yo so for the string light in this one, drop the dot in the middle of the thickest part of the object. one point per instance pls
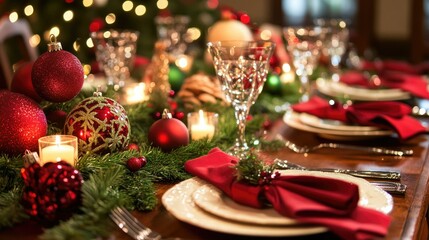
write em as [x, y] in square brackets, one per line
[89, 43]
[54, 31]
[13, 16]
[162, 4]
[194, 33]
[110, 18]
[140, 10]
[266, 34]
[87, 3]
[28, 10]
[34, 40]
[76, 46]
[68, 15]
[127, 6]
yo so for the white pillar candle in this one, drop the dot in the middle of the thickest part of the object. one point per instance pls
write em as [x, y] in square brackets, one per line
[58, 147]
[202, 125]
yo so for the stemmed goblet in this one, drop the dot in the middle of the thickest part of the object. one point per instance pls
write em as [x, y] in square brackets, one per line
[242, 68]
[336, 41]
[115, 51]
[304, 45]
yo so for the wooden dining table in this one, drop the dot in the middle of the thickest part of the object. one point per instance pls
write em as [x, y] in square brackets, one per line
[409, 214]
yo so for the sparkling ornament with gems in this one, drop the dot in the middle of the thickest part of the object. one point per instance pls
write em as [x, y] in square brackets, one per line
[52, 192]
[100, 124]
[22, 123]
[168, 133]
[57, 75]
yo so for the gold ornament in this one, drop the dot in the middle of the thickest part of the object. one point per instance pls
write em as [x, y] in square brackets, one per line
[199, 89]
[156, 75]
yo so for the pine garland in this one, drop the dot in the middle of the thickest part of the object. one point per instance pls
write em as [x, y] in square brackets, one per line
[109, 183]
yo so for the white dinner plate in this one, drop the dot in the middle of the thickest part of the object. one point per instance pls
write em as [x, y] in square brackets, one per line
[178, 201]
[315, 121]
[292, 119]
[214, 201]
[338, 89]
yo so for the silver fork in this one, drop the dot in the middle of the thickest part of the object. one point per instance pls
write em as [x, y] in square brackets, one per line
[132, 226]
[305, 149]
[391, 187]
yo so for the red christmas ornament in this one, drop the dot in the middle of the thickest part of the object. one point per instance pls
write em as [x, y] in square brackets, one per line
[56, 117]
[133, 146]
[57, 75]
[136, 163]
[22, 123]
[168, 133]
[101, 125]
[22, 83]
[52, 192]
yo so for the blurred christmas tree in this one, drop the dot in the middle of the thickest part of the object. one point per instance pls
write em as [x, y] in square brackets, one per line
[73, 20]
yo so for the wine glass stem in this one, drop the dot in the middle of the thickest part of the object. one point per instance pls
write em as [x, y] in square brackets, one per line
[305, 87]
[241, 113]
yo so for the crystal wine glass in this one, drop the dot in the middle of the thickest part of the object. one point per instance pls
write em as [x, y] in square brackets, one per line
[304, 45]
[115, 51]
[336, 41]
[242, 68]
[173, 29]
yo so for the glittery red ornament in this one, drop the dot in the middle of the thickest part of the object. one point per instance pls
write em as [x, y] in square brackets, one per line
[52, 192]
[22, 123]
[100, 124]
[57, 75]
[22, 83]
[168, 133]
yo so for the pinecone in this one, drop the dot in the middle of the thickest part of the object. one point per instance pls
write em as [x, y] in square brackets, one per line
[199, 89]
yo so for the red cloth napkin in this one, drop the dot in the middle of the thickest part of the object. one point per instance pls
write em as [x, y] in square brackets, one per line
[308, 199]
[383, 114]
[413, 84]
[395, 65]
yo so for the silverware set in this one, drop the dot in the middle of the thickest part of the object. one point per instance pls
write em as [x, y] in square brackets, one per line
[388, 186]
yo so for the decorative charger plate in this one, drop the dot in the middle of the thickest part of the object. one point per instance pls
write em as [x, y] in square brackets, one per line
[292, 119]
[338, 89]
[179, 202]
[214, 201]
[317, 122]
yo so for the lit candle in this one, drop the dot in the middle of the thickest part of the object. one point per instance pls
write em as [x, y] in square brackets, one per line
[58, 147]
[202, 125]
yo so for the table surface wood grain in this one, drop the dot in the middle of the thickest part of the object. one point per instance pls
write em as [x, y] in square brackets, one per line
[408, 214]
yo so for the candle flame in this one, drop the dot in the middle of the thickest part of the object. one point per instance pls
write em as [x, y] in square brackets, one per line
[57, 140]
[202, 120]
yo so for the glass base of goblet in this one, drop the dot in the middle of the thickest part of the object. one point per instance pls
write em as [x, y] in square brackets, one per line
[239, 150]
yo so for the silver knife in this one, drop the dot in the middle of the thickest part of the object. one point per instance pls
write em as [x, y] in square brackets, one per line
[362, 173]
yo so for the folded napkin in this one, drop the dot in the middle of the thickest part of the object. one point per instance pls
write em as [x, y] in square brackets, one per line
[308, 199]
[414, 84]
[395, 65]
[383, 114]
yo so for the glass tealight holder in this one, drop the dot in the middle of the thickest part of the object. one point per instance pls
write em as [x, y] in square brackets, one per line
[202, 124]
[54, 148]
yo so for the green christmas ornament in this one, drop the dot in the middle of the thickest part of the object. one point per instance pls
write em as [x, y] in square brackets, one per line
[176, 77]
[273, 84]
